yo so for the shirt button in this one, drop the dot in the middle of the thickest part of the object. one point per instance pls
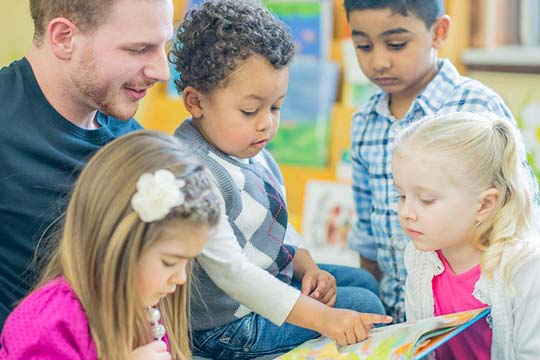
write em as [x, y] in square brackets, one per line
[246, 349]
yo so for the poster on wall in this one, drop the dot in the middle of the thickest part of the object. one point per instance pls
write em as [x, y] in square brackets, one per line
[310, 23]
[304, 132]
[328, 216]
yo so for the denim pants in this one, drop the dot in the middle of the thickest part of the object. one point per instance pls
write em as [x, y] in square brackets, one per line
[253, 336]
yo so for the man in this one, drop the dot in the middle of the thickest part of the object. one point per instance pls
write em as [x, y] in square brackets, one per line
[77, 89]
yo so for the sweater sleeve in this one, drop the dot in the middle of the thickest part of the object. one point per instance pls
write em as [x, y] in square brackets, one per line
[410, 291]
[49, 324]
[235, 274]
[526, 337]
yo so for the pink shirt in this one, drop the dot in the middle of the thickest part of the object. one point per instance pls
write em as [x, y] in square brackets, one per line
[49, 324]
[453, 293]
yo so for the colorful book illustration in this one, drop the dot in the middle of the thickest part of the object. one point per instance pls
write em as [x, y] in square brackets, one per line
[410, 340]
[303, 135]
[310, 23]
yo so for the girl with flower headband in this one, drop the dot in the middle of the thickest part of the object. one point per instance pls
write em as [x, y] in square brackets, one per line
[117, 284]
[468, 202]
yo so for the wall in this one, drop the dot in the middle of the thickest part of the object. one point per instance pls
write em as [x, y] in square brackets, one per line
[16, 29]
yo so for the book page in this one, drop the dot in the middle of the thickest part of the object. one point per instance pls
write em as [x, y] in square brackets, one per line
[399, 341]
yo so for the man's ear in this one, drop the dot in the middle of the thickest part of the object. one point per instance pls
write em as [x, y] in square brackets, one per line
[61, 34]
[192, 101]
[441, 28]
[488, 203]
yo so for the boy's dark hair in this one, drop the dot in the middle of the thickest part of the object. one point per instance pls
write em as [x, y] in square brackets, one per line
[426, 10]
[214, 38]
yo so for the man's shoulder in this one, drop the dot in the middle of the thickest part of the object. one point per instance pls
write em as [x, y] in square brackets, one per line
[11, 77]
[11, 69]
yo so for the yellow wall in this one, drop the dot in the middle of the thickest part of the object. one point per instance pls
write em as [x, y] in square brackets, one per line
[517, 90]
[16, 29]
[158, 111]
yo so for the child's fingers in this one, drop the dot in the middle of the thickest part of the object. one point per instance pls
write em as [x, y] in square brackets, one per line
[307, 285]
[319, 290]
[342, 340]
[329, 298]
[360, 332]
[375, 318]
[162, 356]
[351, 337]
[158, 346]
[332, 301]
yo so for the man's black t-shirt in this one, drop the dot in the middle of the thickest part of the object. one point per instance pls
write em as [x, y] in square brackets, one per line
[41, 154]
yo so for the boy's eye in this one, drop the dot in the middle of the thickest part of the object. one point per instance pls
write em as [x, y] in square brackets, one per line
[397, 45]
[427, 201]
[362, 47]
[275, 108]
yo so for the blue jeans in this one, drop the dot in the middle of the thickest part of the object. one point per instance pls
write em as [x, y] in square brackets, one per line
[253, 336]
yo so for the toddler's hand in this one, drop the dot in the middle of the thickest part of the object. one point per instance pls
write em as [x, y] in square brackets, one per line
[156, 350]
[320, 285]
[349, 327]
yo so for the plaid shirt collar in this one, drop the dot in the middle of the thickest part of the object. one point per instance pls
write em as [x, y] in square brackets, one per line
[430, 100]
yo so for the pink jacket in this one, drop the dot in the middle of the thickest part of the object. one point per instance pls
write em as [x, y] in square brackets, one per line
[48, 324]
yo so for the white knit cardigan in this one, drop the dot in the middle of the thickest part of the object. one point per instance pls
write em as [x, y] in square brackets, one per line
[515, 313]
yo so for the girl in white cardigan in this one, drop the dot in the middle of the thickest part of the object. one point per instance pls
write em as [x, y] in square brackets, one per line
[468, 201]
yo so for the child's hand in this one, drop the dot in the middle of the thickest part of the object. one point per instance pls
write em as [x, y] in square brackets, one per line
[349, 327]
[156, 350]
[320, 285]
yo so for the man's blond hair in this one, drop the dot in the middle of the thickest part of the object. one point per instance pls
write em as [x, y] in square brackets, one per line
[84, 13]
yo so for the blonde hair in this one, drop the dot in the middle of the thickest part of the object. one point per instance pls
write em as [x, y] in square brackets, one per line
[483, 152]
[86, 14]
[83, 13]
[103, 238]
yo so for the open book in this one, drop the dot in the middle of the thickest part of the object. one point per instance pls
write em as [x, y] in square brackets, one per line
[409, 340]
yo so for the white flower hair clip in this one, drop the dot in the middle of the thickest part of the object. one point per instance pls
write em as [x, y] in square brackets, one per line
[157, 194]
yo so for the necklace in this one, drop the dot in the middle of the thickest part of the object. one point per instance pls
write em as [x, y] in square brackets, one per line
[158, 330]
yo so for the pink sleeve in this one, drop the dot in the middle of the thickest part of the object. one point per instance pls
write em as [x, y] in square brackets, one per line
[49, 324]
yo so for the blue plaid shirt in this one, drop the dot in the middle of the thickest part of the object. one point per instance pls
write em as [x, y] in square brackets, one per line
[377, 234]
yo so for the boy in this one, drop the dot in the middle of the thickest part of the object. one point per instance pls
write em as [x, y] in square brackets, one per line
[252, 277]
[396, 45]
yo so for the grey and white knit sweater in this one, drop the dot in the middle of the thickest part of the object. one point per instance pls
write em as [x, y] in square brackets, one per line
[256, 212]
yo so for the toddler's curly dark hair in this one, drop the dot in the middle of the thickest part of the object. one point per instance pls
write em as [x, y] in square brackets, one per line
[215, 38]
